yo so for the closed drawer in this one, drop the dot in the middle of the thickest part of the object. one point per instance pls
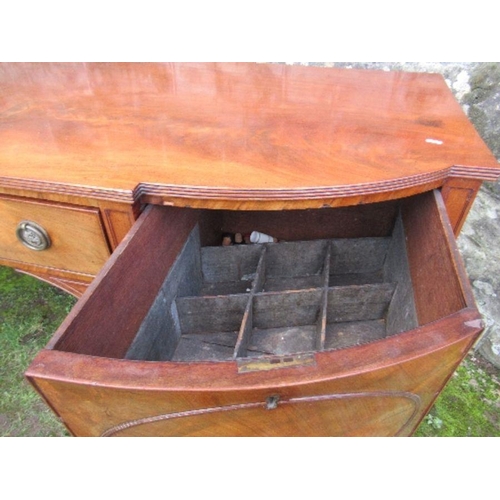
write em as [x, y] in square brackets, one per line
[75, 237]
[350, 326]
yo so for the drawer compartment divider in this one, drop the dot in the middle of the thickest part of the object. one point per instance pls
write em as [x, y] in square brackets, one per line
[322, 317]
[245, 332]
[209, 326]
[222, 303]
[285, 322]
[356, 314]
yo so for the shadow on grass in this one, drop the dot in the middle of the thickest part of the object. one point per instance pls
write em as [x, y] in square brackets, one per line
[30, 312]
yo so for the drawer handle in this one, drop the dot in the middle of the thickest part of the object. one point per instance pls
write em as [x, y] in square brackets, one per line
[32, 235]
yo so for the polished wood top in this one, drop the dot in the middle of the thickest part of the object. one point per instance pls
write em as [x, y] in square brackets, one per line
[232, 135]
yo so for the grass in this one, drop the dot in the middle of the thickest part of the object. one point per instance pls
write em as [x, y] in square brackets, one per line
[469, 405]
[30, 312]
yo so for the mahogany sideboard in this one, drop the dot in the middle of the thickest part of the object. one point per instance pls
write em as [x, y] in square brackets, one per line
[118, 182]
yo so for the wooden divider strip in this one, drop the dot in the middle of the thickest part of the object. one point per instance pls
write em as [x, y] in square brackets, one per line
[245, 332]
[321, 324]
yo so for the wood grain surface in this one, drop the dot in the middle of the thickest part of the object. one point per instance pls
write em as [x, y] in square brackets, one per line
[254, 138]
[78, 239]
[97, 395]
[118, 306]
[383, 387]
[440, 283]
[239, 136]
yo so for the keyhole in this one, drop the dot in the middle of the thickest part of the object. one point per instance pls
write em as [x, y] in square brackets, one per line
[272, 402]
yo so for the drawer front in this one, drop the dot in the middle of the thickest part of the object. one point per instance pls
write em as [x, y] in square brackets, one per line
[371, 325]
[369, 390]
[73, 237]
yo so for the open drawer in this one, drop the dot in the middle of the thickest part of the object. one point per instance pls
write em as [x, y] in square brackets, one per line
[350, 325]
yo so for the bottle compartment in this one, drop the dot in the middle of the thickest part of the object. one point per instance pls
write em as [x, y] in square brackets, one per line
[221, 303]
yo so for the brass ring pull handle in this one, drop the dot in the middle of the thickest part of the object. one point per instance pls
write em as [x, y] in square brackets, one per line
[32, 235]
